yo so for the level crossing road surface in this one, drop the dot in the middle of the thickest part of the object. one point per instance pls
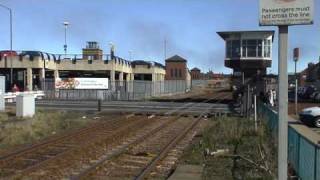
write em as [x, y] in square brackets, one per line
[136, 107]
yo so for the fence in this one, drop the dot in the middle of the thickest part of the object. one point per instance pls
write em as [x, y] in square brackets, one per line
[303, 152]
[119, 90]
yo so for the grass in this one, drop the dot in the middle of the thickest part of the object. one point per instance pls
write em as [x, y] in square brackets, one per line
[248, 150]
[17, 131]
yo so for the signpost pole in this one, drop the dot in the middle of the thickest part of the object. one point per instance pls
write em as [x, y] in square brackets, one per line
[283, 103]
[296, 88]
[296, 53]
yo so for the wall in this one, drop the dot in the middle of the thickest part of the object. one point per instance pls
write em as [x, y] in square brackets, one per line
[182, 66]
[303, 147]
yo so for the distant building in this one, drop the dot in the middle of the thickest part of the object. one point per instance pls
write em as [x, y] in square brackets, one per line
[310, 75]
[92, 51]
[196, 74]
[31, 69]
[176, 68]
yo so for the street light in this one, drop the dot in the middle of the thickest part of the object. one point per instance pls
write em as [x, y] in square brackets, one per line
[11, 70]
[66, 24]
[112, 48]
[130, 55]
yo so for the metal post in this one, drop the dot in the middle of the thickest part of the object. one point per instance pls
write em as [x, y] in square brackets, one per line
[248, 102]
[255, 112]
[165, 48]
[283, 104]
[66, 24]
[242, 78]
[296, 88]
[11, 43]
[65, 41]
[99, 105]
[11, 59]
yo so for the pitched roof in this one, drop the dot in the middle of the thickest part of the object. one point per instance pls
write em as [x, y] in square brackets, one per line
[195, 69]
[148, 63]
[176, 58]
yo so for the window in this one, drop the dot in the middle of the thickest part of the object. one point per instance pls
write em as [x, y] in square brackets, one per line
[267, 48]
[259, 42]
[233, 49]
[171, 72]
[180, 75]
[90, 57]
[252, 48]
[175, 72]
[236, 48]
[229, 49]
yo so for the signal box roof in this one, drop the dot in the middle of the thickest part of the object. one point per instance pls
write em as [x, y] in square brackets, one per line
[225, 34]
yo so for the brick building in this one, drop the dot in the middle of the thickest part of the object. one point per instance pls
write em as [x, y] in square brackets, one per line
[196, 74]
[176, 68]
[92, 51]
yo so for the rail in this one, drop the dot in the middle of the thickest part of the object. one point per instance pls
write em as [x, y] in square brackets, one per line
[157, 159]
[11, 96]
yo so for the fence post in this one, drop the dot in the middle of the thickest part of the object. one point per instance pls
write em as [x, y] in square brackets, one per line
[255, 112]
[99, 105]
[248, 102]
[315, 162]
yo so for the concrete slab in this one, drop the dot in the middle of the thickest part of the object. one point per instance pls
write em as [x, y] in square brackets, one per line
[187, 172]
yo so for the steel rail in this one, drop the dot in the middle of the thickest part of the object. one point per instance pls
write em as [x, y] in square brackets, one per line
[145, 172]
[169, 146]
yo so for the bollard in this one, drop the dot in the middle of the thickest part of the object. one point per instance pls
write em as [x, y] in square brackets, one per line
[99, 105]
[2, 92]
[2, 103]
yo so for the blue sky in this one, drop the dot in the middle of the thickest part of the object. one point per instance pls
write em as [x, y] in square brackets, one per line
[189, 26]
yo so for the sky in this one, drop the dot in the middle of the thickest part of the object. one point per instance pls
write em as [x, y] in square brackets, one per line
[141, 26]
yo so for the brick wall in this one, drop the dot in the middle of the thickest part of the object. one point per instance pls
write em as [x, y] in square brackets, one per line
[176, 70]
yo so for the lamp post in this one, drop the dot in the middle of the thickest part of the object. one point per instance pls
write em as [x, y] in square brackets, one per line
[11, 70]
[130, 55]
[66, 24]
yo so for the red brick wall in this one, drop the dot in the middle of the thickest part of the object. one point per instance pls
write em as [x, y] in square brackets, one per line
[195, 74]
[176, 70]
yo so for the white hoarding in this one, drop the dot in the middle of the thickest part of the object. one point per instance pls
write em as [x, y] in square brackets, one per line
[82, 83]
[286, 12]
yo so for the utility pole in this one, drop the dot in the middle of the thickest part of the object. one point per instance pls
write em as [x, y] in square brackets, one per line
[165, 48]
[130, 55]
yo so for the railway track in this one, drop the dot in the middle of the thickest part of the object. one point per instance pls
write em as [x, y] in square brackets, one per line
[37, 155]
[77, 154]
[154, 156]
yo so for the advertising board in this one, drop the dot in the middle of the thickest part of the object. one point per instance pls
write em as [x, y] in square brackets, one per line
[82, 83]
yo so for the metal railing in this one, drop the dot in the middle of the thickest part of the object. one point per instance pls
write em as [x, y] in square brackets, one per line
[32, 55]
[119, 90]
[303, 153]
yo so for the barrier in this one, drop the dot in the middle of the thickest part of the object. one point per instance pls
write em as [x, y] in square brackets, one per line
[11, 96]
[303, 150]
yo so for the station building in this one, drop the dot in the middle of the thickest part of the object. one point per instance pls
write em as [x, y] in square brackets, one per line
[30, 68]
